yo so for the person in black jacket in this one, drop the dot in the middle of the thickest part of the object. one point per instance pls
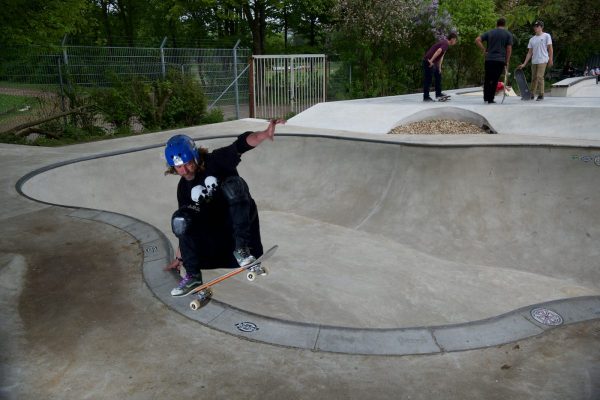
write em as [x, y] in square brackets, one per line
[217, 221]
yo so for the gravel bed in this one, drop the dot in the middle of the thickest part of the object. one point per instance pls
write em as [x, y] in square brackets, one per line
[439, 127]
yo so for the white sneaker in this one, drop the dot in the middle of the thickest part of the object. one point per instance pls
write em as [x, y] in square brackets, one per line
[243, 256]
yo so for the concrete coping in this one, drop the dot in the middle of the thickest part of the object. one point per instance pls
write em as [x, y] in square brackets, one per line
[515, 325]
[572, 81]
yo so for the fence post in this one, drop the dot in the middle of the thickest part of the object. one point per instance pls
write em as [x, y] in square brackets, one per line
[292, 86]
[251, 87]
[162, 57]
[326, 71]
[64, 49]
[235, 76]
[66, 60]
[62, 92]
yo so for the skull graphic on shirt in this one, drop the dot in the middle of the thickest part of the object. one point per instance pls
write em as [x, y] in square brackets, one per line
[203, 193]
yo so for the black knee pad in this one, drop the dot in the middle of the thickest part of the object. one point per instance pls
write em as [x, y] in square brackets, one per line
[181, 221]
[235, 189]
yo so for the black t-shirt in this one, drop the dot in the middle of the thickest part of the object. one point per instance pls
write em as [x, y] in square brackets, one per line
[203, 195]
[497, 40]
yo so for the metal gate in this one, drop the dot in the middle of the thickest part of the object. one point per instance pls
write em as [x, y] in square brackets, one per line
[285, 85]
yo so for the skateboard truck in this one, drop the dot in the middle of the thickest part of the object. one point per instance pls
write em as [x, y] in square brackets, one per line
[255, 270]
[204, 291]
[203, 298]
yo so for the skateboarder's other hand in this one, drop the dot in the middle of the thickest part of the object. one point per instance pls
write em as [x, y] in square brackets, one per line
[175, 264]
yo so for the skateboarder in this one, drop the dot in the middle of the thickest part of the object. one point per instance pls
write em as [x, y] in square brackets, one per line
[541, 55]
[432, 66]
[217, 221]
[497, 56]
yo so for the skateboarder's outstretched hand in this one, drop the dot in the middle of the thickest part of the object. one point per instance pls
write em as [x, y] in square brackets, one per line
[256, 138]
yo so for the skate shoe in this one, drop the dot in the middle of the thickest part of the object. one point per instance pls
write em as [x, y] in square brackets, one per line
[243, 256]
[186, 285]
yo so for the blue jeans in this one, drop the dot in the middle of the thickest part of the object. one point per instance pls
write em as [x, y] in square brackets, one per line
[429, 73]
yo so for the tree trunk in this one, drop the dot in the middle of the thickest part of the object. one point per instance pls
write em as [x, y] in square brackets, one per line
[256, 21]
[105, 4]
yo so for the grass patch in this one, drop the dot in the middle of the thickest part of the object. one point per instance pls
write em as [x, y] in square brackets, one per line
[9, 103]
[51, 87]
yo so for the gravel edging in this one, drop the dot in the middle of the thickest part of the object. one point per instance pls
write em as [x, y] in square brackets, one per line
[439, 127]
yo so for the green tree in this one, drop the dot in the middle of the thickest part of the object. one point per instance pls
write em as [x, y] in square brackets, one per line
[464, 63]
[43, 22]
[307, 19]
[574, 29]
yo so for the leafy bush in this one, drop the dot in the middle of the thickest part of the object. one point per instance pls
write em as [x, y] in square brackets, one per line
[173, 102]
[122, 101]
[187, 104]
[213, 116]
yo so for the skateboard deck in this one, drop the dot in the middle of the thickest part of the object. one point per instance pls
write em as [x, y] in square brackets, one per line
[522, 83]
[443, 99]
[204, 291]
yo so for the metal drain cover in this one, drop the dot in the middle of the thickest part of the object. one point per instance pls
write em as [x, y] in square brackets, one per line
[546, 317]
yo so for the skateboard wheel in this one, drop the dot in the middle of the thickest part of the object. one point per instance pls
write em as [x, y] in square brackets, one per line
[195, 304]
[264, 271]
[251, 276]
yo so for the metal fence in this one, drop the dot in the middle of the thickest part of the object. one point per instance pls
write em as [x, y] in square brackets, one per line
[30, 74]
[284, 85]
[33, 79]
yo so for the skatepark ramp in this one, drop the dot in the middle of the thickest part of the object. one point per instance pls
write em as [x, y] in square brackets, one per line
[383, 234]
[580, 86]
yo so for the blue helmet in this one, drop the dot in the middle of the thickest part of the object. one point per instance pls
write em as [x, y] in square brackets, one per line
[180, 149]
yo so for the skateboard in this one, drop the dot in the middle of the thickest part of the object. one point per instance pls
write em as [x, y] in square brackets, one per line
[522, 83]
[443, 99]
[204, 291]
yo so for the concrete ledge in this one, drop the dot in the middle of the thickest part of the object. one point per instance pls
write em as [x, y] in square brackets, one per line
[568, 87]
[572, 81]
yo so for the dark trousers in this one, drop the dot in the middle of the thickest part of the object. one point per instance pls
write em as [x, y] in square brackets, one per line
[242, 209]
[429, 73]
[203, 249]
[493, 70]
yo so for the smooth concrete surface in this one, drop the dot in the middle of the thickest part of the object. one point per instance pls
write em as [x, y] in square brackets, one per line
[363, 225]
[560, 117]
[118, 340]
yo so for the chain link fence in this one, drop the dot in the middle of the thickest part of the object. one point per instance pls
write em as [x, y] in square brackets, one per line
[34, 79]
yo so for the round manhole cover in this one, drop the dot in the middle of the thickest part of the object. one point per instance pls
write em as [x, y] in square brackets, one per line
[546, 317]
[246, 327]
